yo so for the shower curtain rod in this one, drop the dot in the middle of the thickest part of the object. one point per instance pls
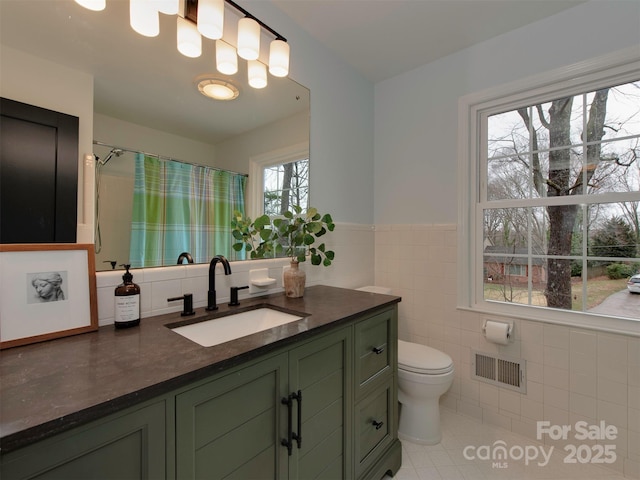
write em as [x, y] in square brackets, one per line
[162, 157]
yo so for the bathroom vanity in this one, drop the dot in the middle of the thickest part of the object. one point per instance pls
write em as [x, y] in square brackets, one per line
[315, 398]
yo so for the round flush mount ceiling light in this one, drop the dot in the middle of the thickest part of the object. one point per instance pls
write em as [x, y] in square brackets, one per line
[217, 89]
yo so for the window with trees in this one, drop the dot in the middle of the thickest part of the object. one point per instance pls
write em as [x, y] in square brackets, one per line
[554, 216]
[278, 180]
[286, 184]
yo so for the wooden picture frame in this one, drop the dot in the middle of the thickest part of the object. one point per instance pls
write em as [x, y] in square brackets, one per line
[47, 291]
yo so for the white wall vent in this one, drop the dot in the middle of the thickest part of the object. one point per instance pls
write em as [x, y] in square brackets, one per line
[499, 370]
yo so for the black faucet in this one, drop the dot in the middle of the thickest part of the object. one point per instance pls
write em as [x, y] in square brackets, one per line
[233, 300]
[187, 305]
[211, 294]
[183, 256]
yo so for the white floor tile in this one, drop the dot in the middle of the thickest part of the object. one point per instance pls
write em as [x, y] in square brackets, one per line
[447, 460]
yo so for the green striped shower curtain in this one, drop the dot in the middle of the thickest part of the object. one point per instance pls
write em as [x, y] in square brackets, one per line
[178, 208]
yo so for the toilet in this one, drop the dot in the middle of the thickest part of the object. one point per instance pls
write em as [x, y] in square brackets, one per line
[424, 374]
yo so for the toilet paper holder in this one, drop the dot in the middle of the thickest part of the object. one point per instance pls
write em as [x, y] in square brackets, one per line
[508, 323]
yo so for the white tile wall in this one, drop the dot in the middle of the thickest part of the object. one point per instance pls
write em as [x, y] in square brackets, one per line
[353, 245]
[573, 374]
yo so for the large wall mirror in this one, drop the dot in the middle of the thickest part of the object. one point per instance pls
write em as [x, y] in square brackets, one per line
[146, 99]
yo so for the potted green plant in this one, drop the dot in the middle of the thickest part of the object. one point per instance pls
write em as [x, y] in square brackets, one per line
[293, 236]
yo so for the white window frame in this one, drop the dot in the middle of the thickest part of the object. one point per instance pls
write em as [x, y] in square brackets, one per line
[257, 166]
[616, 68]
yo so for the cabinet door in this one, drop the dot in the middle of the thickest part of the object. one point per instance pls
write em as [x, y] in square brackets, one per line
[320, 371]
[39, 181]
[231, 427]
[130, 446]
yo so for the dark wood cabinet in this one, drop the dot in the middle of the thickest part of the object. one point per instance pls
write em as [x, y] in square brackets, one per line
[38, 174]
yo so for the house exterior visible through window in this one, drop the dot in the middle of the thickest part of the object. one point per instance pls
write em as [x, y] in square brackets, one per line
[554, 211]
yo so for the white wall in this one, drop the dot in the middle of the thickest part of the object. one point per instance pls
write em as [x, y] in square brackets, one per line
[232, 154]
[416, 113]
[341, 122]
[235, 153]
[573, 374]
[114, 131]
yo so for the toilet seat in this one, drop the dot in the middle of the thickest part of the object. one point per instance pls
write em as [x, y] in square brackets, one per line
[416, 358]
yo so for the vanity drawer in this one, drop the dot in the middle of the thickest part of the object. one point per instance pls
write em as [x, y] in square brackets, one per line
[375, 427]
[374, 349]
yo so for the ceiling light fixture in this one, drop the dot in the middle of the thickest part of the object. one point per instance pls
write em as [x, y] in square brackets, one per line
[168, 7]
[95, 5]
[144, 18]
[211, 18]
[257, 72]
[279, 58]
[226, 58]
[248, 38]
[206, 18]
[189, 39]
[217, 89]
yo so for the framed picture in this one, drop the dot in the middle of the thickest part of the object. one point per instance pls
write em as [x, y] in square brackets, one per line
[47, 291]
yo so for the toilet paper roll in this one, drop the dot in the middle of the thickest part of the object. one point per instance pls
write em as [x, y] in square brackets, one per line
[497, 332]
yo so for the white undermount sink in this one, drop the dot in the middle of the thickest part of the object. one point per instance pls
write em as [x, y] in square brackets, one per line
[236, 325]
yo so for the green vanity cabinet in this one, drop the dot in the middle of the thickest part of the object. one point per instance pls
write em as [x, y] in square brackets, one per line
[230, 427]
[126, 445]
[321, 372]
[324, 407]
[377, 448]
[375, 427]
[236, 425]
[239, 424]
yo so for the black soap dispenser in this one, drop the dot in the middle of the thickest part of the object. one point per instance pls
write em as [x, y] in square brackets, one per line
[127, 302]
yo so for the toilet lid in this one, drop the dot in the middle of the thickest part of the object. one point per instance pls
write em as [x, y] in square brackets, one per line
[418, 358]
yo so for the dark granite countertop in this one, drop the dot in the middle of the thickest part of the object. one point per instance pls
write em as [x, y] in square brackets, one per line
[51, 387]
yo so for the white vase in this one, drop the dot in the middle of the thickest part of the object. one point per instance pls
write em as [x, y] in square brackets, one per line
[294, 280]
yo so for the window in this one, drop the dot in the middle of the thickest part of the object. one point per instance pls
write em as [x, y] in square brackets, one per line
[553, 215]
[286, 184]
[279, 180]
[515, 270]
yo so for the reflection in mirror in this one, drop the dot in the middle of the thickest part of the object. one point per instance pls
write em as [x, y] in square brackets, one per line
[146, 98]
[114, 192]
[171, 210]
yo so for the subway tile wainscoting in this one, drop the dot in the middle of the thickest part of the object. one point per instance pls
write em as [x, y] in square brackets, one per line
[573, 374]
[352, 243]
